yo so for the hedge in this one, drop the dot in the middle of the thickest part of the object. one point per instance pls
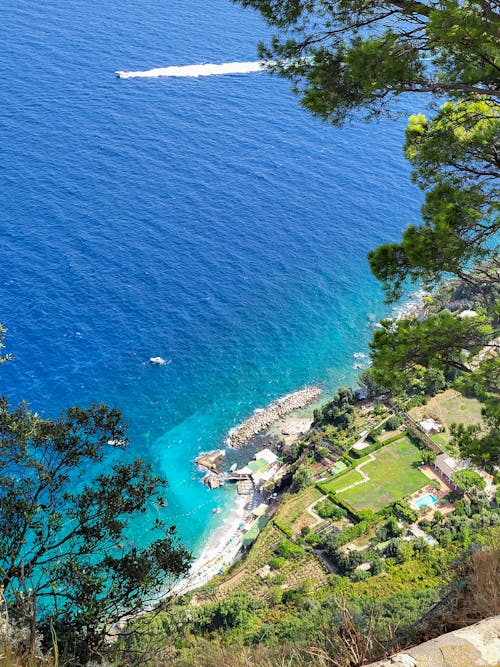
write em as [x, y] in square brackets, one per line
[353, 532]
[398, 436]
[341, 503]
[377, 445]
[283, 528]
[358, 454]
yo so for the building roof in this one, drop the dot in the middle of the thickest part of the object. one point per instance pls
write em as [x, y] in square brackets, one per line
[417, 531]
[260, 509]
[338, 467]
[430, 424]
[446, 464]
[266, 455]
[361, 444]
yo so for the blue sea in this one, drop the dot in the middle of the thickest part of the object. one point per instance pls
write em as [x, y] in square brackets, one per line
[210, 221]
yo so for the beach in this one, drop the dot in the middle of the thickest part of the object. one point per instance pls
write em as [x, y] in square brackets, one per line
[222, 547]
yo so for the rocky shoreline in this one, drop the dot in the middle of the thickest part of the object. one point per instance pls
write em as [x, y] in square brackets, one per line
[263, 418]
[212, 461]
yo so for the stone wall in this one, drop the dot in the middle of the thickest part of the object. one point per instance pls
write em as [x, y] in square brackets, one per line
[474, 646]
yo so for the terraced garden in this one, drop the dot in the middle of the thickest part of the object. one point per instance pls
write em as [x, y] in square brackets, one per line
[293, 512]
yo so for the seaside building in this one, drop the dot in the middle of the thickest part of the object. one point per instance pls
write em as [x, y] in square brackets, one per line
[265, 467]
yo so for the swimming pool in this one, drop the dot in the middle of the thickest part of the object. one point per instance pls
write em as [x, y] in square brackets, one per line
[425, 501]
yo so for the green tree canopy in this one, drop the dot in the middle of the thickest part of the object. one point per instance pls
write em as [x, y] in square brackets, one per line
[67, 559]
[441, 340]
[456, 160]
[468, 479]
[349, 54]
[5, 357]
[302, 477]
[344, 56]
[481, 444]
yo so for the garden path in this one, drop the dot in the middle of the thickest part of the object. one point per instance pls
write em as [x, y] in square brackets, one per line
[361, 472]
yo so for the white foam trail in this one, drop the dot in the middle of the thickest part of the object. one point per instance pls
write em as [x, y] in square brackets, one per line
[207, 69]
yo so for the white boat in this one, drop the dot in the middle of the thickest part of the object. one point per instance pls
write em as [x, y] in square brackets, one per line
[159, 361]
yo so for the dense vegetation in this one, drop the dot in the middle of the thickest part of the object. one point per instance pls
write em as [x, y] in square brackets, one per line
[68, 569]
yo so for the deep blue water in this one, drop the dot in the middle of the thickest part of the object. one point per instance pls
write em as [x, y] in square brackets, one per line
[210, 221]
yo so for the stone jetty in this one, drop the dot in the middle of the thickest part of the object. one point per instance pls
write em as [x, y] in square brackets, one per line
[265, 417]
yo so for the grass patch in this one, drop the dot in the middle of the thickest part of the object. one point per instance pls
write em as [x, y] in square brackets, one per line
[450, 407]
[293, 511]
[334, 484]
[440, 439]
[393, 475]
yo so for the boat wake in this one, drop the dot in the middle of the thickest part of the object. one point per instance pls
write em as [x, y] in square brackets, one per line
[207, 69]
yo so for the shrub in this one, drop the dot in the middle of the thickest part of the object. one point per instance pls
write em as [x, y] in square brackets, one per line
[327, 510]
[338, 412]
[302, 477]
[428, 457]
[284, 529]
[360, 575]
[313, 539]
[404, 511]
[288, 549]
[277, 563]
[353, 532]
[393, 423]
[416, 401]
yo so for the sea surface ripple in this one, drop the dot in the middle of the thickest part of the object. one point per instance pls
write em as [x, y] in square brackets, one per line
[210, 221]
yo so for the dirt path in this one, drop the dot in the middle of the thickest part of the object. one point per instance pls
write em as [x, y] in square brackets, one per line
[315, 516]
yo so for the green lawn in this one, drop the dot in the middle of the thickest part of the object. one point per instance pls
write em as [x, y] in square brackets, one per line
[341, 482]
[440, 439]
[393, 476]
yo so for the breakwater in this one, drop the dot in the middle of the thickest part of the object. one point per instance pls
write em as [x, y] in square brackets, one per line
[263, 418]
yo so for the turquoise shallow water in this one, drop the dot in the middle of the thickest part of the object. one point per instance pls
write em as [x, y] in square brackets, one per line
[210, 221]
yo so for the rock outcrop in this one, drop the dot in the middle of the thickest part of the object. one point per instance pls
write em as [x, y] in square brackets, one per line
[212, 461]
